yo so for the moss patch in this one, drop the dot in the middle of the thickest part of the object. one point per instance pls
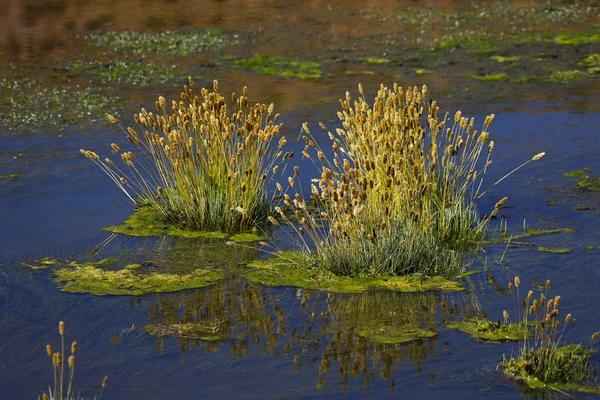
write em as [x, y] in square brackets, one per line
[555, 250]
[393, 335]
[592, 62]
[491, 77]
[181, 44]
[578, 173]
[26, 105]
[502, 59]
[589, 185]
[375, 60]
[145, 221]
[135, 73]
[529, 233]
[207, 331]
[285, 269]
[567, 76]
[281, 67]
[127, 281]
[491, 331]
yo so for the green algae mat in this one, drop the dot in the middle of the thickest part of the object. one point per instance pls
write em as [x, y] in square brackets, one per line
[147, 222]
[129, 280]
[283, 270]
[491, 331]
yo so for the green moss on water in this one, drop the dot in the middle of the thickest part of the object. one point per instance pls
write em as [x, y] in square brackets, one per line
[280, 67]
[375, 60]
[206, 330]
[145, 221]
[92, 279]
[502, 59]
[472, 44]
[555, 250]
[591, 62]
[529, 233]
[490, 78]
[422, 71]
[590, 248]
[567, 76]
[491, 331]
[386, 334]
[287, 269]
[176, 43]
[28, 105]
[9, 176]
[135, 73]
[590, 36]
[589, 185]
[578, 173]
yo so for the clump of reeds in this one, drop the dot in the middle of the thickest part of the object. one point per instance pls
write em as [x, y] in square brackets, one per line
[397, 192]
[201, 167]
[63, 380]
[543, 358]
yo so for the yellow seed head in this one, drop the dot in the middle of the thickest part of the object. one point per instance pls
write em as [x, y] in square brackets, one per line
[71, 361]
[113, 119]
[548, 284]
[538, 156]
[505, 315]
[594, 336]
[74, 347]
[549, 305]
[517, 281]
[530, 295]
[273, 220]
[510, 287]
[49, 350]
[106, 377]
[556, 301]
[567, 318]
[45, 397]
[61, 328]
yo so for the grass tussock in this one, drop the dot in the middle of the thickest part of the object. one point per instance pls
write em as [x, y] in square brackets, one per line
[62, 388]
[198, 165]
[542, 359]
[397, 193]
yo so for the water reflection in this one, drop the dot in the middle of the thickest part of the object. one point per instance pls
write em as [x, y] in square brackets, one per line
[349, 336]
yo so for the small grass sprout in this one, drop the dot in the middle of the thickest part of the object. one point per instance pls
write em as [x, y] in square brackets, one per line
[198, 165]
[62, 379]
[397, 193]
[542, 359]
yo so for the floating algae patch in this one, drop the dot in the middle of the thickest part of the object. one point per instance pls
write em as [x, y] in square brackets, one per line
[555, 250]
[286, 269]
[135, 73]
[586, 183]
[491, 331]
[206, 330]
[27, 105]
[529, 233]
[567, 76]
[375, 60]
[174, 43]
[394, 335]
[502, 59]
[592, 63]
[281, 67]
[128, 281]
[490, 78]
[145, 221]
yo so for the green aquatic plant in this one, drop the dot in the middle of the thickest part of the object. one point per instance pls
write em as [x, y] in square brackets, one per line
[555, 250]
[201, 167]
[29, 105]
[281, 67]
[62, 388]
[398, 196]
[176, 43]
[543, 361]
[491, 77]
[492, 331]
[135, 73]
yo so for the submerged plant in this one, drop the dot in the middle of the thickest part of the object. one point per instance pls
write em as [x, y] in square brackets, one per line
[542, 359]
[204, 168]
[398, 195]
[63, 380]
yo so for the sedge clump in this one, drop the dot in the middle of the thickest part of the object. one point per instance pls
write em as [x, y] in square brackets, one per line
[397, 191]
[199, 165]
[543, 360]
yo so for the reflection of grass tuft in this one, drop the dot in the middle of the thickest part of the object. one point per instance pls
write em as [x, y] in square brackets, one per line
[281, 67]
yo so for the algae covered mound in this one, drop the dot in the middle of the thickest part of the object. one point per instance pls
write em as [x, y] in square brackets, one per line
[394, 335]
[281, 67]
[585, 182]
[129, 280]
[145, 221]
[285, 269]
[491, 331]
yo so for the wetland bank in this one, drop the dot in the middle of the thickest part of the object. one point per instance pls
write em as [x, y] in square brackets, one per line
[239, 316]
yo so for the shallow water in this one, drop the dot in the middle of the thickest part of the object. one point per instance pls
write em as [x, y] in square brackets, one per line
[276, 342]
